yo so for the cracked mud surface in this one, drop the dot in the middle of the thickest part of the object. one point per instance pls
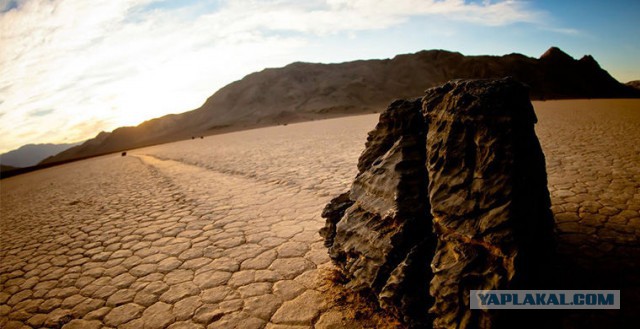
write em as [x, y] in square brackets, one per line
[222, 232]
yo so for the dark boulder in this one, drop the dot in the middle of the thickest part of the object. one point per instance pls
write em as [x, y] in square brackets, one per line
[488, 195]
[454, 183]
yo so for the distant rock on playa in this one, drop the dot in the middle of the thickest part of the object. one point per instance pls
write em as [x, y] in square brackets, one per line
[451, 195]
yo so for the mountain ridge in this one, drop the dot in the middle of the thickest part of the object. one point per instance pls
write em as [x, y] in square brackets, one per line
[305, 91]
[31, 154]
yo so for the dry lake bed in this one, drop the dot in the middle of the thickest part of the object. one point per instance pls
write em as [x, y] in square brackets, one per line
[221, 232]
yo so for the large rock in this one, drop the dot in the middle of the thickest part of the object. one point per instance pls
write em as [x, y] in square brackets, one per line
[488, 195]
[461, 168]
[381, 241]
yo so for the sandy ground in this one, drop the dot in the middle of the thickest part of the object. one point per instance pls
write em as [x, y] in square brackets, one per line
[221, 232]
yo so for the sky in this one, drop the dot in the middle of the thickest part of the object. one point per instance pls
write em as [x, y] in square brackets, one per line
[72, 68]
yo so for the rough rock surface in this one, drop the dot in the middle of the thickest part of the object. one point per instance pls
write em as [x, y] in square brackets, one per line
[463, 167]
[489, 197]
[333, 212]
[381, 240]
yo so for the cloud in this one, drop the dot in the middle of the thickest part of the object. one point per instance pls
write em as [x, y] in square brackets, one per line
[6, 5]
[334, 16]
[40, 113]
[117, 63]
[560, 30]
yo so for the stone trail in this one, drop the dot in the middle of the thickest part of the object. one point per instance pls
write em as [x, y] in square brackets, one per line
[137, 241]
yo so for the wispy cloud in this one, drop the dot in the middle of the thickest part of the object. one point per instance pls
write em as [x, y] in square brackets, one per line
[6, 5]
[40, 113]
[333, 16]
[105, 63]
[560, 30]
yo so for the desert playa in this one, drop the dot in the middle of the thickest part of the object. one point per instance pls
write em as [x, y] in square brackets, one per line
[222, 232]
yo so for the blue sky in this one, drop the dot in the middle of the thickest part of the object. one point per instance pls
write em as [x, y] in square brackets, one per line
[70, 68]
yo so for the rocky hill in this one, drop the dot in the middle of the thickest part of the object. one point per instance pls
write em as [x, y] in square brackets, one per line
[32, 154]
[306, 91]
[634, 84]
[4, 169]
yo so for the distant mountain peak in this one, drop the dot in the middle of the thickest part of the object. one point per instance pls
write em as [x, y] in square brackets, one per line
[555, 53]
[589, 60]
[30, 154]
[634, 84]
